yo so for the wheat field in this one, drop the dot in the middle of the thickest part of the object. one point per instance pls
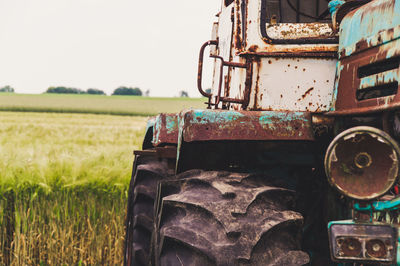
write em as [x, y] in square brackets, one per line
[96, 104]
[64, 183]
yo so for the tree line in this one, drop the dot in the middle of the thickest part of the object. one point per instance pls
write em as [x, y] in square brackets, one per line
[6, 89]
[122, 90]
[118, 91]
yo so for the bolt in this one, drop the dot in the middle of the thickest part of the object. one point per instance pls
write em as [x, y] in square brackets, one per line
[376, 247]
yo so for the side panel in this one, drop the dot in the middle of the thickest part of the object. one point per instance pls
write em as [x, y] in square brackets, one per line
[296, 84]
[376, 91]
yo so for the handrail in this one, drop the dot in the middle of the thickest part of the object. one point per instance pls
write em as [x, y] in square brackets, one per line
[200, 69]
[219, 98]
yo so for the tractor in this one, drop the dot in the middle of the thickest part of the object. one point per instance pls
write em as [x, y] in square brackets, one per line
[295, 158]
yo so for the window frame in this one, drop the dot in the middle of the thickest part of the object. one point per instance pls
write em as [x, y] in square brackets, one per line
[310, 40]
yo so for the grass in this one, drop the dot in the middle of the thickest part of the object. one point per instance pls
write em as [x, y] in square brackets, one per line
[63, 186]
[96, 104]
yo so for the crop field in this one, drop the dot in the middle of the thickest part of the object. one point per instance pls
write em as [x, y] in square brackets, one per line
[63, 184]
[97, 104]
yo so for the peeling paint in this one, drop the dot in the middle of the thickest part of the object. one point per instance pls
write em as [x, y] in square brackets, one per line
[368, 71]
[165, 129]
[206, 125]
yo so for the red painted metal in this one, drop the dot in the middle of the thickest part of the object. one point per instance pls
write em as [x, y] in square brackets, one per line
[350, 80]
[165, 130]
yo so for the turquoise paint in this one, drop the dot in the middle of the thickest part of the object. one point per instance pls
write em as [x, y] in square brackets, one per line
[157, 129]
[367, 23]
[210, 116]
[171, 124]
[150, 123]
[334, 6]
[269, 117]
[380, 206]
[222, 117]
[381, 78]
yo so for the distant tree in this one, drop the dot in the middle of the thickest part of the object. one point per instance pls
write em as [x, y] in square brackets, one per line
[147, 93]
[7, 89]
[127, 91]
[183, 94]
[62, 89]
[95, 91]
[208, 91]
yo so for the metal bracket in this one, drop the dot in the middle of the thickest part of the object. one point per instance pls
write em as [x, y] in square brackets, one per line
[168, 152]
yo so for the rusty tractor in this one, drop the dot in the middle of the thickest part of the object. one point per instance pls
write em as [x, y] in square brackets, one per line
[295, 160]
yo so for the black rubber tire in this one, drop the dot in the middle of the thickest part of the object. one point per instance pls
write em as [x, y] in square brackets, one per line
[224, 218]
[147, 172]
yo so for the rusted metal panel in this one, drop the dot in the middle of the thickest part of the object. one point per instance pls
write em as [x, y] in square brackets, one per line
[368, 81]
[206, 125]
[365, 27]
[368, 72]
[165, 129]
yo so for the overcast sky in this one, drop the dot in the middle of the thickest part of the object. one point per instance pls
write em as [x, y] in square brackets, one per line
[103, 44]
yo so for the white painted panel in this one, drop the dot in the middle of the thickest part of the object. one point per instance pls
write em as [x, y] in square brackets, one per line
[224, 46]
[297, 84]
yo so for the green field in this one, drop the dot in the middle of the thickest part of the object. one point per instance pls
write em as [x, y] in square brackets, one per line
[97, 104]
[63, 185]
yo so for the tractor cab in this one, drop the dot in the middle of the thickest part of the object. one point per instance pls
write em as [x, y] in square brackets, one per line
[273, 55]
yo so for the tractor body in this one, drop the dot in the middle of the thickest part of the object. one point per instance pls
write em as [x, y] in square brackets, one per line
[304, 99]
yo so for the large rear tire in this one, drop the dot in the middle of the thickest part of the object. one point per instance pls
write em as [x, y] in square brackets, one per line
[147, 172]
[223, 218]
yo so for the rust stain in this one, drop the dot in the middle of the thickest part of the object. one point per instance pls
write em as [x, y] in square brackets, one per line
[259, 65]
[253, 48]
[320, 51]
[307, 92]
[238, 33]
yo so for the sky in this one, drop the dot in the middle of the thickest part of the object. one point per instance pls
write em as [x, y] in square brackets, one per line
[104, 44]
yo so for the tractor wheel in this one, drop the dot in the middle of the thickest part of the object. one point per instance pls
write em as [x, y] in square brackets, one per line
[147, 172]
[224, 218]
